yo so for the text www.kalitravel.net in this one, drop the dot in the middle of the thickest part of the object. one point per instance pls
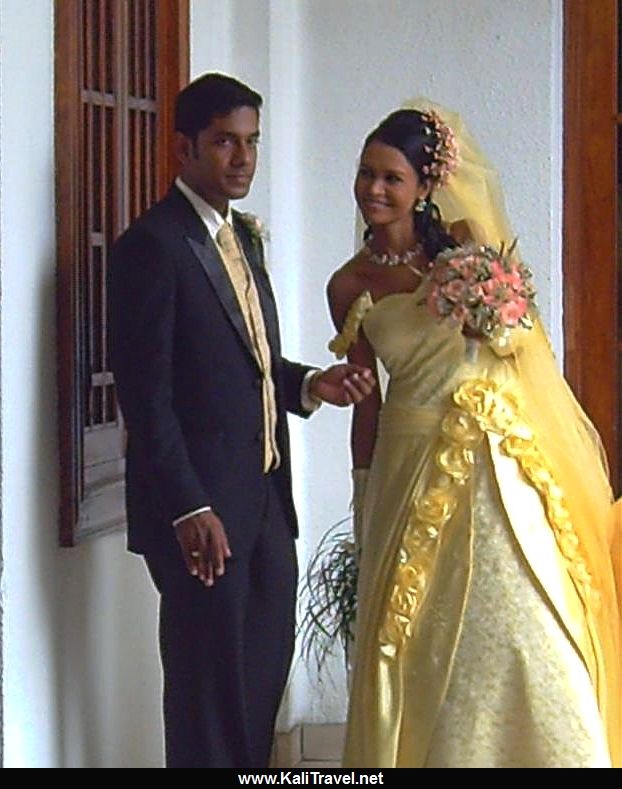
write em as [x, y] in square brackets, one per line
[312, 778]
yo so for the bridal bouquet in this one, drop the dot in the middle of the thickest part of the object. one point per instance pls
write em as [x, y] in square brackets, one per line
[482, 289]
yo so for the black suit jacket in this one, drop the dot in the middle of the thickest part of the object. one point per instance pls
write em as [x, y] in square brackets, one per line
[187, 380]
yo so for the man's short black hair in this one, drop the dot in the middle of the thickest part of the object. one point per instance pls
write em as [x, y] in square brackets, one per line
[208, 97]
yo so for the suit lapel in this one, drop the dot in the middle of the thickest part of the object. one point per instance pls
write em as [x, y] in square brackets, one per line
[208, 257]
[262, 281]
[207, 254]
[205, 251]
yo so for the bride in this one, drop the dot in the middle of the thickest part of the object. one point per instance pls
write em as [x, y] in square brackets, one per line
[488, 621]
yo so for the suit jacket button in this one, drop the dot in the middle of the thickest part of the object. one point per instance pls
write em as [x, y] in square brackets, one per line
[259, 437]
[257, 383]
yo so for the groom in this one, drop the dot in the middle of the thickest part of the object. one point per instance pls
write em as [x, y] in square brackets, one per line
[204, 390]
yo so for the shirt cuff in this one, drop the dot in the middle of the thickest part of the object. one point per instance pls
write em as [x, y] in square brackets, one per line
[185, 517]
[308, 402]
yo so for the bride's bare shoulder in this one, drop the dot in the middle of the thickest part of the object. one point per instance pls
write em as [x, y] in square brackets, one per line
[346, 284]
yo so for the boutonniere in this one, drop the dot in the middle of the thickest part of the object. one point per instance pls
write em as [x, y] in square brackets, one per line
[257, 229]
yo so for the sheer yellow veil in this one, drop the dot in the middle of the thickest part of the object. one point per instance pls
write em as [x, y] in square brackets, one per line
[473, 197]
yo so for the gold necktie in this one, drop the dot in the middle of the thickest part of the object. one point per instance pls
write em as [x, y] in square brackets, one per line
[246, 292]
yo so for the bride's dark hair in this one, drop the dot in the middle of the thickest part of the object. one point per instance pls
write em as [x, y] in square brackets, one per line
[412, 133]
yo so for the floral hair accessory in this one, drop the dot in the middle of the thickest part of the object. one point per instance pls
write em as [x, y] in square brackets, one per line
[445, 151]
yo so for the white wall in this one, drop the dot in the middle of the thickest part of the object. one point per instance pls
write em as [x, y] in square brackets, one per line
[331, 72]
[81, 676]
[233, 37]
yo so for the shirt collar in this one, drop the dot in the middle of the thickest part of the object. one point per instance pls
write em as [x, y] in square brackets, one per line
[212, 219]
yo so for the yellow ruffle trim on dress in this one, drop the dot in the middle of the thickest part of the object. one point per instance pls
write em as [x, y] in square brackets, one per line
[480, 405]
[340, 344]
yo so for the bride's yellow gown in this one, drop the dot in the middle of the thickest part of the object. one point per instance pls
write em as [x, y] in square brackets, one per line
[476, 645]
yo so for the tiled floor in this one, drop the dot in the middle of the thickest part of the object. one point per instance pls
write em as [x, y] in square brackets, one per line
[312, 745]
[319, 765]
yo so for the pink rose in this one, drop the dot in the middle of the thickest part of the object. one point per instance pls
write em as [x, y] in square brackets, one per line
[497, 271]
[460, 313]
[511, 312]
[476, 291]
[463, 265]
[433, 301]
[512, 278]
[455, 290]
[495, 293]
[441, 274]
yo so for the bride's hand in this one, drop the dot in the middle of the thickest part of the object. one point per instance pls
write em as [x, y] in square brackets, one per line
[472, 334]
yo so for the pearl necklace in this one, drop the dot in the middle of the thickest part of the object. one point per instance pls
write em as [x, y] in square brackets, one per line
[392, 258]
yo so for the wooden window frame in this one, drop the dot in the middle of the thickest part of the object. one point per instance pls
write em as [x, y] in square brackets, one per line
[82, 515]
[590, 255]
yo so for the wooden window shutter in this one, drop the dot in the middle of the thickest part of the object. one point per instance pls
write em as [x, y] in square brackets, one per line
[119, 65]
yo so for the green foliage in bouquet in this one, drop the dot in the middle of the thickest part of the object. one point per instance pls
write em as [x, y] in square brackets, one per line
[328, 598]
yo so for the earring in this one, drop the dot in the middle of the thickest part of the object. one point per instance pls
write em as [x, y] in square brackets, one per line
[420, 205]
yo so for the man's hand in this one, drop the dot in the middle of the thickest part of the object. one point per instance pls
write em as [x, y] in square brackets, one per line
[204, 545]
[342, 384]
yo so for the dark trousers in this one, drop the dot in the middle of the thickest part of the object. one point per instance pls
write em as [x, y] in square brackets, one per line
[226, 650]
